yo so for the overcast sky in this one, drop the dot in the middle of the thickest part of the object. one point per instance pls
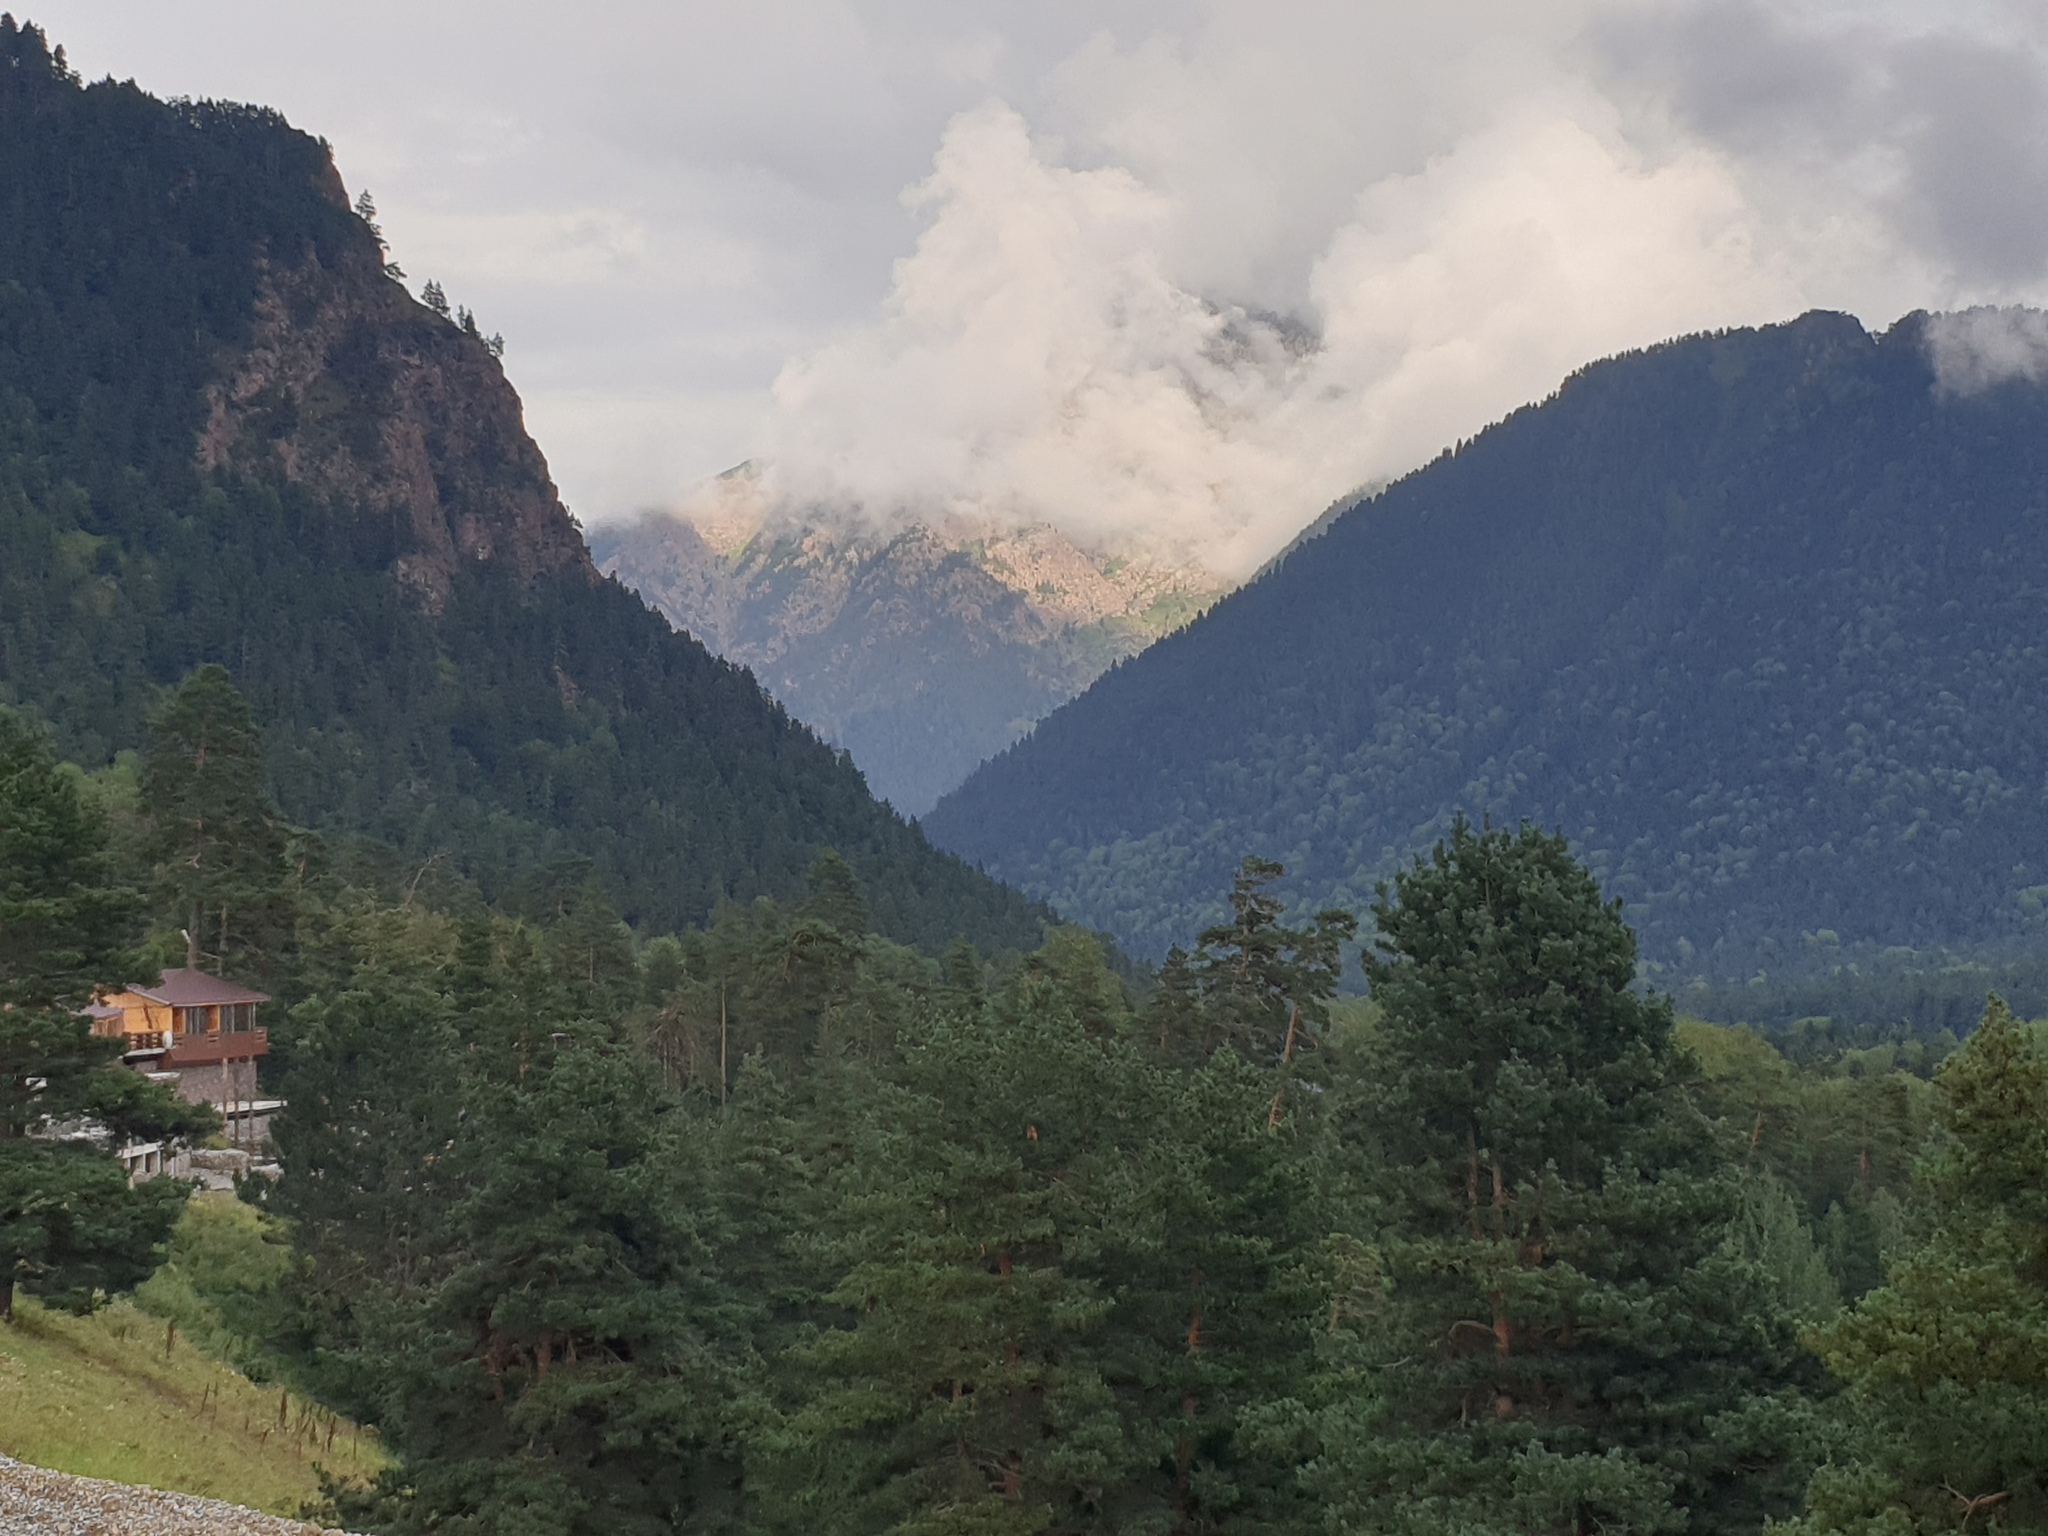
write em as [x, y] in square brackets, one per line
[1172, 273]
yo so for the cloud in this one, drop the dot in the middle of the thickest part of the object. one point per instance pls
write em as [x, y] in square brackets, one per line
[1249, 266]
[1177, 273]
[1927, 125]
[1978, 348]
[1036, 361]
[1037, 358]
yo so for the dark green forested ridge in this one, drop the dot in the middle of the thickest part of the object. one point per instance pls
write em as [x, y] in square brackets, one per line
[1754, 618]
[227, 436]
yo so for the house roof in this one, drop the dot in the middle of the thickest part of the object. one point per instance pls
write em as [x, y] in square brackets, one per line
[196, 989]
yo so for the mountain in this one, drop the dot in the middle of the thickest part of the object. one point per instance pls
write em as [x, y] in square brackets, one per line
[1755, 618]
[921, 650]
[228, 434]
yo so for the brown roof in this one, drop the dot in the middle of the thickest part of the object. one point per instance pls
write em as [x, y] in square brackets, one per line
[196, 989]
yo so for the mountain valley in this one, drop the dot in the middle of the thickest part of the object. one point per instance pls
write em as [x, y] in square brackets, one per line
[921, 650]
[1486, 1032]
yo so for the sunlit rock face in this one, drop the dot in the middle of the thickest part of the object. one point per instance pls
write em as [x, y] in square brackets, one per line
[921, 648]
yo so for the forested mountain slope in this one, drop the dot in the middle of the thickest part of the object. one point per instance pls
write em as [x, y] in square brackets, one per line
[921, 650]
[226, 434]
[1756, 619]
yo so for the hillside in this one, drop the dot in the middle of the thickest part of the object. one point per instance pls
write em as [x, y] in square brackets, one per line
[1754, 618]
[100, 1396]
[226, 434]
[922, 651]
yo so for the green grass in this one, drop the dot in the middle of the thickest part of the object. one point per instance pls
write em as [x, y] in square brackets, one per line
[102, 1396]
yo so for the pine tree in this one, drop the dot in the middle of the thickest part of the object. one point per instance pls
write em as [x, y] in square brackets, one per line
[835, 894]
[1946, 1420]
[366, 210]
[1056, 1274]
[217, 846]
[509, 1236]
[1266, 986]
[1565, 1315]
[70, 1225]
[62, 917]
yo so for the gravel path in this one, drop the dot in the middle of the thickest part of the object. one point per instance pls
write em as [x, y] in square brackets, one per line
[34, 1502]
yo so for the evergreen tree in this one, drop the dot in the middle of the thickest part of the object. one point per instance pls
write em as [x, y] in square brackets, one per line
[217, 846]
[574, 1375]
[1565, 1317]
[1056, 1275]
[1267, 986]
[62, 916]
[70, 1225]
[835, 894]
[1946, 1421]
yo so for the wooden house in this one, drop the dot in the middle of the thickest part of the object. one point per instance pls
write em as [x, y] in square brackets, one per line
[199, 1033]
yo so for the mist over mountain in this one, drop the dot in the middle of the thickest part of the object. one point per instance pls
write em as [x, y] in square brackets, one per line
[229, 434]
[1755, 618]
[921, 649]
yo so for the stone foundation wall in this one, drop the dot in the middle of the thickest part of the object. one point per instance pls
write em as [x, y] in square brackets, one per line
[217, 1081]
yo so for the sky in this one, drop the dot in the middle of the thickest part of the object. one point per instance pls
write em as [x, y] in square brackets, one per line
[1173, 277]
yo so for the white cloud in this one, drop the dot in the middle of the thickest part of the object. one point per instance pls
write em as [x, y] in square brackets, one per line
[685, 219]
[1977, 348]
[1037, 360]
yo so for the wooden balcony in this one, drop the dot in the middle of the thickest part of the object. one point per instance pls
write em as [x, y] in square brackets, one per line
[205, 1050]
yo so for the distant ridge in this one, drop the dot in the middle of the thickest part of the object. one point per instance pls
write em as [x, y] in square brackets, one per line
[1755, 618]
[921, 649]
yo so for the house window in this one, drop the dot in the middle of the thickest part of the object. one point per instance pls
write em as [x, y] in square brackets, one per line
[237, 1018]
[191, 1021]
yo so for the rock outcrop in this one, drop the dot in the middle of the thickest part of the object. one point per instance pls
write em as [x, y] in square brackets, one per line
[353, 388]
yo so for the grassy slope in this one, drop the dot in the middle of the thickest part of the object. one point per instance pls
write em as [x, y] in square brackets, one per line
[99, 1397]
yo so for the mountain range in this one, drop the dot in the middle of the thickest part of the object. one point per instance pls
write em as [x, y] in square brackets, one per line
[1755, 618]
[229, 434]
[920, 648]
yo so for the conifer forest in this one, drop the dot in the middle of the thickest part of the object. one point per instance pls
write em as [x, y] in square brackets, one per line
[666, 1137]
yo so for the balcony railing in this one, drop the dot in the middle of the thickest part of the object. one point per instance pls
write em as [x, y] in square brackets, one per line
[146, 1040]
[204, 1050]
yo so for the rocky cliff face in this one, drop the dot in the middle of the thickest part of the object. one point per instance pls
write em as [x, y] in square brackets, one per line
[922, 650]
[351, 387]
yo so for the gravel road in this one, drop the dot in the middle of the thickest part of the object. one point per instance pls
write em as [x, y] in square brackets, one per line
[34, 1502]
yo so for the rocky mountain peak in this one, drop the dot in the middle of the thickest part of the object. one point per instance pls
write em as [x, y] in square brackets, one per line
[351, 387]
[921, 647]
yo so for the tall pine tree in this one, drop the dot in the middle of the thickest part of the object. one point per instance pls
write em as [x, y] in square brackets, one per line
[1561, 1314]
[70, 1226]
[217, 845]
[1946, 1418]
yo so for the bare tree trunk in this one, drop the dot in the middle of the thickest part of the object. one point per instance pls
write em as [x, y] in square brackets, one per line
[1286, 1060]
